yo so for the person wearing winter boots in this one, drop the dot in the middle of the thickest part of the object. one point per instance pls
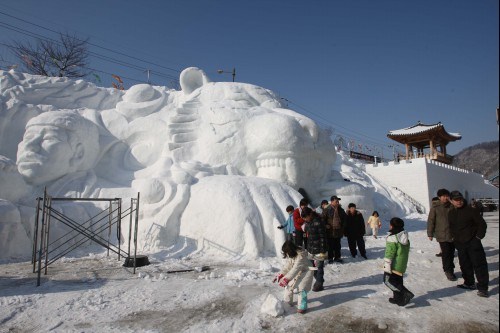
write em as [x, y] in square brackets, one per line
[290, 227]
[467, 229]
[296, 273]
[355, 231]
[316, 244]
[395, 262]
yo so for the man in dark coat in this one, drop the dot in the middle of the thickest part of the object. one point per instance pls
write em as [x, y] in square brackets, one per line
[334, 216]
[316, 243]
[439, 227]
[467, 229]
[355, 231]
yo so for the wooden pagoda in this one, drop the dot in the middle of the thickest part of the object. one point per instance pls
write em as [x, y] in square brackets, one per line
[427, 141]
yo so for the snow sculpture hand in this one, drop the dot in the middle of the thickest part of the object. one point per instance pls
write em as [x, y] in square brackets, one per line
[278, 277]
[284, 282]
[387, 265]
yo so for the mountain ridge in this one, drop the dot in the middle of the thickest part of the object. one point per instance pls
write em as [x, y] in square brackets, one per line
[481, 158]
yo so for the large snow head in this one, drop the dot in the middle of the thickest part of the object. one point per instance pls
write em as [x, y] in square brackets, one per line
[246, 126]
[57, 143]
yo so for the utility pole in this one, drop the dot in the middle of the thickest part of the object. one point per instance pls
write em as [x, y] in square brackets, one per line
[498, 111]
[393, 151]
[148, 71]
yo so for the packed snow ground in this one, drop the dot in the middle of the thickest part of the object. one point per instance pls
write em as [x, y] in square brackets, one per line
[97, 294]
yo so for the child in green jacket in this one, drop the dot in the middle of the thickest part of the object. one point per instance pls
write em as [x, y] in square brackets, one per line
[395, 262]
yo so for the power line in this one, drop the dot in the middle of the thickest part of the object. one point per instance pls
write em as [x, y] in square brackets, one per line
[329, 123]
[98, 46]
[351, 135]
[97, 55]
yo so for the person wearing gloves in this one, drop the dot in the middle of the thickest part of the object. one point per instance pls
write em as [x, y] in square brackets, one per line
[467, 228]
[395, 262]
[290, 227]
[296, 273]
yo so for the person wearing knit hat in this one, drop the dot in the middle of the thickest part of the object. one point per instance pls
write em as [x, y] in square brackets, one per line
[395, 262]
[467, 228]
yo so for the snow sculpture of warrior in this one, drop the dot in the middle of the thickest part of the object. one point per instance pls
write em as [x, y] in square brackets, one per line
[215, 163]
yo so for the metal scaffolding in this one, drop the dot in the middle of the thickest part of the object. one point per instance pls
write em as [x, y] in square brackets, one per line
[47, 251]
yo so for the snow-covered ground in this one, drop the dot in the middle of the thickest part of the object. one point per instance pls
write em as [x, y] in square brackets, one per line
[215, 164]
[97, 294]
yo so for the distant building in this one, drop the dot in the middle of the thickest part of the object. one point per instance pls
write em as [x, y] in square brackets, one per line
[425, 167]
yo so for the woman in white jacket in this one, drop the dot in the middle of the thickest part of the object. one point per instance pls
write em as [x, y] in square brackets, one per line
[296, 273]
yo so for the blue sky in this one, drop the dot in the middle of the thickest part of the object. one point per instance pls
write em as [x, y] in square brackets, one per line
[361, 67]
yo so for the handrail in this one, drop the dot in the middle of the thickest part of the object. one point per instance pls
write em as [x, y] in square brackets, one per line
[418, 206]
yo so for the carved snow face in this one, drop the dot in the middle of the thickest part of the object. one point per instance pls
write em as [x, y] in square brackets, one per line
[54, 144]
[45, 154]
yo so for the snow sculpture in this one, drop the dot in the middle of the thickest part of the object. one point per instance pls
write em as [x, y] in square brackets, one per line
[215, 163]
[56, 145]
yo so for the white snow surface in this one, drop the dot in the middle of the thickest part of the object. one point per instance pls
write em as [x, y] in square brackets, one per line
[215, 165]
[96, 294]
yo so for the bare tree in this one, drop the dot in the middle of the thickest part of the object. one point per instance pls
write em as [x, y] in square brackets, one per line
[67, 57]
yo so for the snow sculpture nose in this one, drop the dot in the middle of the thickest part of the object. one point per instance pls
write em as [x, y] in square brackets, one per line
[31, 143]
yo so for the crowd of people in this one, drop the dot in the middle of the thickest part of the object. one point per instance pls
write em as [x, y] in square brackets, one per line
[313, 237]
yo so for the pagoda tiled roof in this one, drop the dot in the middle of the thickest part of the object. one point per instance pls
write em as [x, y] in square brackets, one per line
[421, 129]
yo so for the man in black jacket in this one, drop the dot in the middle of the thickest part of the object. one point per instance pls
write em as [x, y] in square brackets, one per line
[316, 244]
[467, 229]
[355, 230]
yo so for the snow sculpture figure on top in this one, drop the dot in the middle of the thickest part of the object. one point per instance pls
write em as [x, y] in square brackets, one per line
[188, 152]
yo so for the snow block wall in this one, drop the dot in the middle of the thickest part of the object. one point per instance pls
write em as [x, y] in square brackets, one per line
[421, 178]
